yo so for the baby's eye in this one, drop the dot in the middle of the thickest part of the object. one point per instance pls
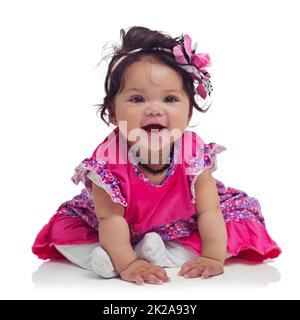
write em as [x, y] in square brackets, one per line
[171, 98]
[134, 99]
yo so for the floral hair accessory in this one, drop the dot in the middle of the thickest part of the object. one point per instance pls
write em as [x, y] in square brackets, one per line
[194, 63]
[187, 59]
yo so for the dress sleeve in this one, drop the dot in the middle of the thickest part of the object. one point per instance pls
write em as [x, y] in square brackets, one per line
[205, 158]
[95, 170]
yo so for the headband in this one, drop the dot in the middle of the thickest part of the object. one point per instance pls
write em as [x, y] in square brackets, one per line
[191, 62]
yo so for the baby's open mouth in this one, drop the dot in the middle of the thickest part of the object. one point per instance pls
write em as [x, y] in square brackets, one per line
[149, 127]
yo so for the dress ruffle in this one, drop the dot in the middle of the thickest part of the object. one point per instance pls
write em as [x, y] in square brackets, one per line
[204, 159]
[170, 231]
[92, 170]
[62, 230]
[250, 240]
[246, 239]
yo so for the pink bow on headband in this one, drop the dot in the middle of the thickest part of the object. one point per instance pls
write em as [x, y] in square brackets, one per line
[200, 60]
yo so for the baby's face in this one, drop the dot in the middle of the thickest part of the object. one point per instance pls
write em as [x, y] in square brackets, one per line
[152, 93]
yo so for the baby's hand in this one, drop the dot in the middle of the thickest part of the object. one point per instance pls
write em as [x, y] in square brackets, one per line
[140, 271]
[201, 266]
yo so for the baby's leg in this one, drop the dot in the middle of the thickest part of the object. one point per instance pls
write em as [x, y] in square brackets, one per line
[164, 253]
[91, 257]
[78, 254]
[94, 258]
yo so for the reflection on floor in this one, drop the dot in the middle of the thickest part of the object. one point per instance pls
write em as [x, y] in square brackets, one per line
[238, 273]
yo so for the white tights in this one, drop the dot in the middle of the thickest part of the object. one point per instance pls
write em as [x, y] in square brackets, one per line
[151, 248]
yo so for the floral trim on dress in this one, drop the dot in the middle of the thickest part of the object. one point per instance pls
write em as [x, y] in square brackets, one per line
[205, 159]
[170, 171]
[237, 206]
[170, 231]
[81, 207]
[142, 176]
[92, 170]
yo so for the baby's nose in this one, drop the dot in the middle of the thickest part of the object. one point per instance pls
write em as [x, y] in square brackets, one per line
[154, 110]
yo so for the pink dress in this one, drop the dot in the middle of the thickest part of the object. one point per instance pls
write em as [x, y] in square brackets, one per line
[168, 208]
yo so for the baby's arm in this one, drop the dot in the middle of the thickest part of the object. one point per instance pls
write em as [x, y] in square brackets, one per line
[114, 237]
[211, 228]
[113, 229]
[211, 223]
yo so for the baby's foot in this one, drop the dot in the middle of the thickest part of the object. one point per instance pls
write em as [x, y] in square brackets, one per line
[152, 249]
[101, 263]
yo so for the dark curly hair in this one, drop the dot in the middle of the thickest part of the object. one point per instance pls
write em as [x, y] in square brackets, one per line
[141, 37]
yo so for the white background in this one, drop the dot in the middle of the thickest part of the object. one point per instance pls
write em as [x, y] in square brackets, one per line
[49, 83]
